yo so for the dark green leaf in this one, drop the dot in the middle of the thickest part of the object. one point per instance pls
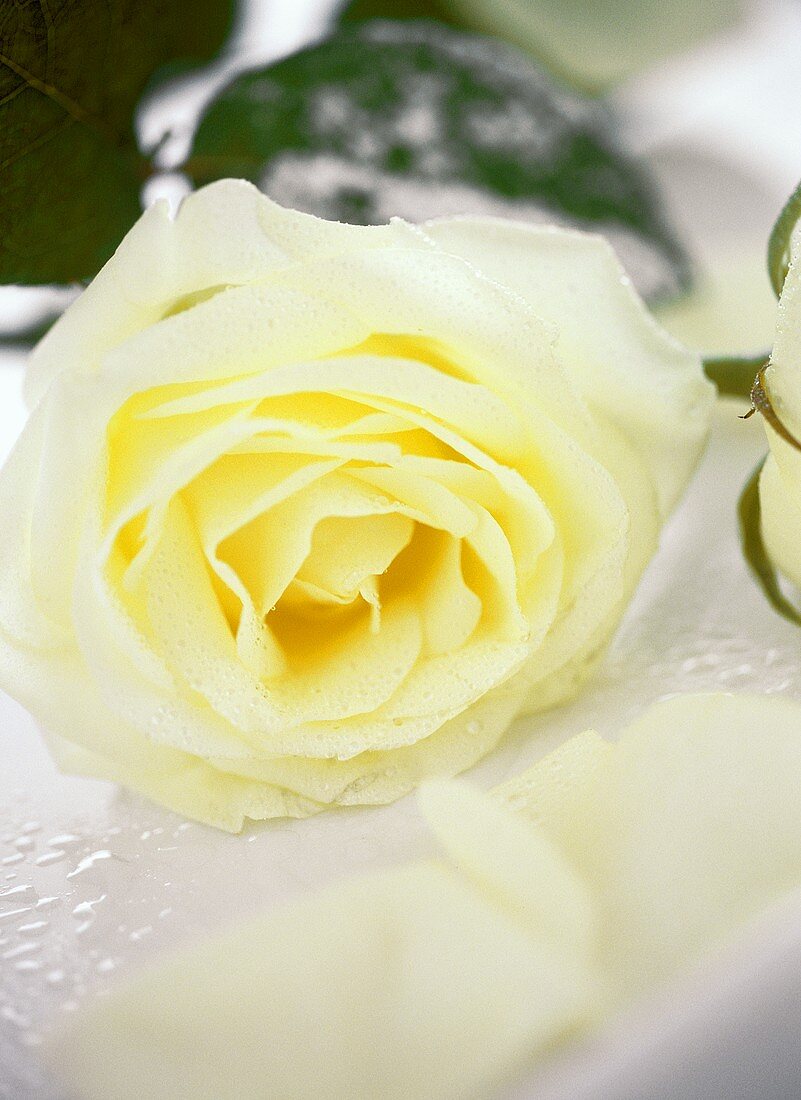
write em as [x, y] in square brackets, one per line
[418, 120]
[749, 515]
[28, 335]
[71, 73]
[360, 10]
[779, 244]
[734, 377]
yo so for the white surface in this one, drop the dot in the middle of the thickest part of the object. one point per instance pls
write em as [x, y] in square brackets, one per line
[94, 882]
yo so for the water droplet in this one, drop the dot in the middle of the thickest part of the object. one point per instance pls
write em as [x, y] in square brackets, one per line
[15, 858]
[22, 949]
[7, 915]
[140, 933]
[27, 966]
[34, 928]
[13, 1017]
[88, 862]
[64, 840]
[85, 912]
[25, 843]
[106, 965]
[19, 893]
[55, 977]
[50, 857]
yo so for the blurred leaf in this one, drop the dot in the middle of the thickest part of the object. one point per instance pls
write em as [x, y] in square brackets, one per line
[417, 120]
[28, 335]
[734, 377]
[749, 514]
[71, 73]
[593, 43]
[444, 11]
[779, 244]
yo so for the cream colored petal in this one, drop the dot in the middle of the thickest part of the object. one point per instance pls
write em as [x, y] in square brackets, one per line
[513, 864]
[450, 610]
[179, 780]
[347, 551]
[226, 234]
[684, 830]
[608, 344]
[415, 392]
[784, 372]
[780, 498]
[22, 616]
[490, 332]
[410, 983]
[269, 551]
[780, 483]
[336, 677]
[581, 499]
[547, 793]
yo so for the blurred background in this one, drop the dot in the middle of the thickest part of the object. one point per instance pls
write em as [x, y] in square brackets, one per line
[672, 126]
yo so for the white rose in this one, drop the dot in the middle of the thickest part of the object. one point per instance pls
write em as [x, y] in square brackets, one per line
[306, 512]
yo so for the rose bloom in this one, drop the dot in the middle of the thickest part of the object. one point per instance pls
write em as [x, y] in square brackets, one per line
[780, 481]
[306, 512]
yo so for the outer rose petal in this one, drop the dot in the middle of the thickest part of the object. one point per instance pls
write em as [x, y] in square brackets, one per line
[626, 366]
[307, 513]
[405, 984]
[570, 890]
[682, 831]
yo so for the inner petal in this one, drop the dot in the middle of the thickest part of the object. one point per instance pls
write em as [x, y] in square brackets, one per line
[346, 552]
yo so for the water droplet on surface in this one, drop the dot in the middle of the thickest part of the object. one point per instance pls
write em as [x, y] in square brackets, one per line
[27, 966]
[7, 1012]
[7, 915]
[34, 928]
[85, 912]
[22, 949]
[20, 893]
[64, 840]
[50, 857]
[88, 862]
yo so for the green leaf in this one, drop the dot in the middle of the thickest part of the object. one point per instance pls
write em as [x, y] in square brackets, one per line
[71, 74]
[734, 377]
[749, 515]
[779, 244]
[592, 43]
[417, 120]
